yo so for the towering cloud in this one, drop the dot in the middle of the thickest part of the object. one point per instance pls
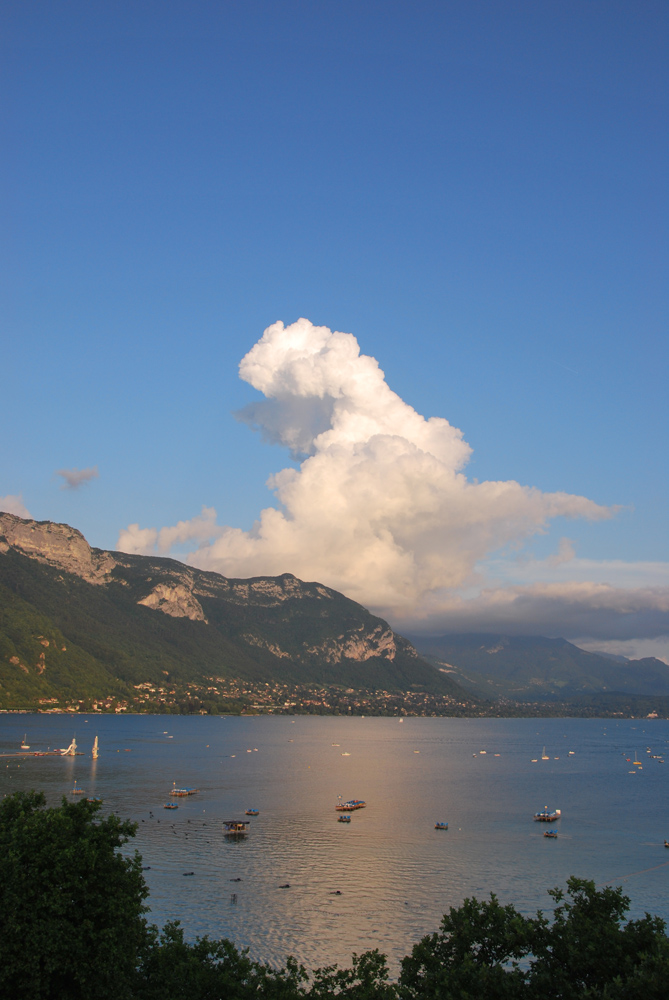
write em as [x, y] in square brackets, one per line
[379, 507]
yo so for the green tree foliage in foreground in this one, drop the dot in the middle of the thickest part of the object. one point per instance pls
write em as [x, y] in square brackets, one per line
[73, 927]
[71, 906]
[483, 949]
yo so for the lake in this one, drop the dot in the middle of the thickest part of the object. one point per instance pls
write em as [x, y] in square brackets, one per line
[385, 879]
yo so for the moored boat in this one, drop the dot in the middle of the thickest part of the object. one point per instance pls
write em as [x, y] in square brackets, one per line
[343, 819]
[441, 826]
[24, 745]
[350, 805]
[253, 812]
[235, 827]
[551, 833]
[183, 791]
[546, 816]
[170, 805]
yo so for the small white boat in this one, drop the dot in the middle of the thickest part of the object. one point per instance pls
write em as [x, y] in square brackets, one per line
[544, 755]
[24, 745]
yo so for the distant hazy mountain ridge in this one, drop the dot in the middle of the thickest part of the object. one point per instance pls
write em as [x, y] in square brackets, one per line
[535, 667]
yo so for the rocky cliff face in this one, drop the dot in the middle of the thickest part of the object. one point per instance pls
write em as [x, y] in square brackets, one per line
[362, 645]
[359, 644]
[56, 545]
[65, 548]
[177, 601]
[262, 591]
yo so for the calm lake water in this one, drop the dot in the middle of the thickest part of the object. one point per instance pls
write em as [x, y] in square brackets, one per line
[395, 873]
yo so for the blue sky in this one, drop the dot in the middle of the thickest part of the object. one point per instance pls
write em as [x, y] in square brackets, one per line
[475, 191]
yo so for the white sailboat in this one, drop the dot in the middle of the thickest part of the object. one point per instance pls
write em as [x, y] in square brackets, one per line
[24, 745]
[544, 755]
[71, 750]
[95, 748]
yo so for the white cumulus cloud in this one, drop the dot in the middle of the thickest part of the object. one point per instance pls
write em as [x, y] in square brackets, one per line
[150, 541]
[13, 504]
[379, 507]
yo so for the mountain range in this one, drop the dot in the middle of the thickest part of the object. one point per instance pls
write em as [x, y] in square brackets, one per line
[532, 667]
[86, 628]
[80, 625]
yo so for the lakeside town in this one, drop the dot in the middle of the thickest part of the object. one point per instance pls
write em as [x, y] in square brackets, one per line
[224, 696]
